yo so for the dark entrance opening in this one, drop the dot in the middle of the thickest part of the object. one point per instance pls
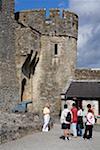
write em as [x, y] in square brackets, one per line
[99, 106]
[23, 88]
[78, 102]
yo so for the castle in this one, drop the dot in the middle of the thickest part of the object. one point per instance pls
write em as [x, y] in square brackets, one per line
[38, 56]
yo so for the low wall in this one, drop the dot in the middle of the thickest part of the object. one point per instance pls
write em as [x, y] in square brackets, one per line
[87, 74]
[98, 119]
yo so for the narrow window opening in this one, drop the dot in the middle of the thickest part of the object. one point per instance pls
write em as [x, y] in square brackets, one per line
[0, 5]
[56, 49]
[99, 106]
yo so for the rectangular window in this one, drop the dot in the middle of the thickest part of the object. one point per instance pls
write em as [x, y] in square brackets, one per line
[0, 5]
[99, 107]
[56, 49]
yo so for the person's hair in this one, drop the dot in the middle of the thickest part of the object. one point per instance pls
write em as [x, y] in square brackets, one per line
[79, 108]
[47, 105]
[89, 106]
[74, 105]
[90, 111]
[65, 106]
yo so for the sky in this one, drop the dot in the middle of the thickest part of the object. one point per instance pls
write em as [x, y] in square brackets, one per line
[88, 48]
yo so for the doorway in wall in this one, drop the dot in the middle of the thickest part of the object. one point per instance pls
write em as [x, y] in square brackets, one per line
[78, 103]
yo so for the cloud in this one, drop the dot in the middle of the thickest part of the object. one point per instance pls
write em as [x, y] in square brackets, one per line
[62, 4]
[85, 6]
[89, 32]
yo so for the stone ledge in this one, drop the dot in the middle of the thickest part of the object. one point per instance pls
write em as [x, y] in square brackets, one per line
[18, 125]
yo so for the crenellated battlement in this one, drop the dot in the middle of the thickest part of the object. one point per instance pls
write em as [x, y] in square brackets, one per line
[7, 7]
[54, 13]
[24, 15]
[57, 23]
[67, 13]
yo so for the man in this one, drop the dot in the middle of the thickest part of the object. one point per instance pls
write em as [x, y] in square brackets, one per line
[65, 122]
[74, 119]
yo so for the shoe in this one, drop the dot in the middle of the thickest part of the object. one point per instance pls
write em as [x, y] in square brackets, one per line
[67, 138]
[84, 137]
[44, 130]
[89, 138]
[62, 137]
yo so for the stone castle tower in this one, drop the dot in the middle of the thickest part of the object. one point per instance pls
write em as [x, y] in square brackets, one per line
[55, 40]
[8, 86]
[40, 51]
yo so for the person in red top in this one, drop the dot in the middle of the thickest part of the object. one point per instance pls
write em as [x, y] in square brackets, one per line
[74, 119]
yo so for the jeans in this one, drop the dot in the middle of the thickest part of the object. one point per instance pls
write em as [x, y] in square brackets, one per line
[88, 131]
[79, 130]
[73, 128]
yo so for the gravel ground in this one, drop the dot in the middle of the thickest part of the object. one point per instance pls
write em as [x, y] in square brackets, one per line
[51, 141]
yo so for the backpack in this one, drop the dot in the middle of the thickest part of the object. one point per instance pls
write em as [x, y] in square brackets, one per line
[68, 117]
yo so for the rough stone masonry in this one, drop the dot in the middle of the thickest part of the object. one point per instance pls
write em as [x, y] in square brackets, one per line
[37, 56]
[37, 59]
[8, 85]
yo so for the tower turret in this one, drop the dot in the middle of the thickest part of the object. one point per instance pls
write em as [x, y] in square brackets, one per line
[7, 7]
[65, 24]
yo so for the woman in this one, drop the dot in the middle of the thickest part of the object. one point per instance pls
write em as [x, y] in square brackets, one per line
[46, 118]
[89, 124]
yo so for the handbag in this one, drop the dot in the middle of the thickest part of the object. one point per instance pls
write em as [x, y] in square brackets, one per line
[63, 125]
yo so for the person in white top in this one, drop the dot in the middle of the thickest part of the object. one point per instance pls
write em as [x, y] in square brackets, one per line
[46, 118]
[65, 125]
[89, 124]
[79, 113]
[79, 122]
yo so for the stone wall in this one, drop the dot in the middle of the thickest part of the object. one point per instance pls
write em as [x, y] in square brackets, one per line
[34, 31]
[8, 86]
[27, 39]
[55, 24]
[53, 70]
[87, 74]
[7, 8]
[16, 126]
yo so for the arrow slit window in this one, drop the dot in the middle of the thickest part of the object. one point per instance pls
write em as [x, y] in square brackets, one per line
[0, 5]
[56, 49]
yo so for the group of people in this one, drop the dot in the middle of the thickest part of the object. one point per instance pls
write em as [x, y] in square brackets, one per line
[75, 125]
[72, 121]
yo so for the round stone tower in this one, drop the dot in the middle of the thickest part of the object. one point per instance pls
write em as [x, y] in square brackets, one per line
[57, 53]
